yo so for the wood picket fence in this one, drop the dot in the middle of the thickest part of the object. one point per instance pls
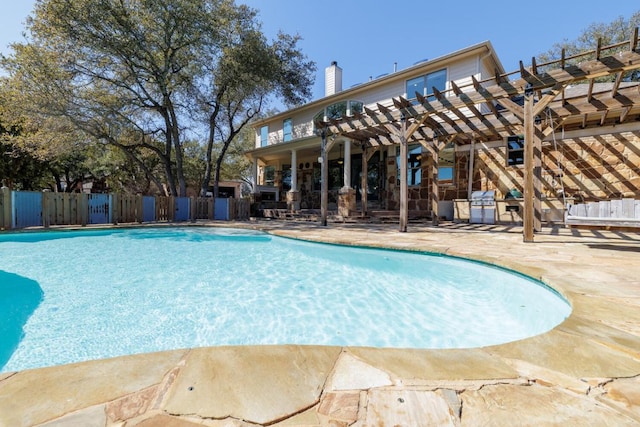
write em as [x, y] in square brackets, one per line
[21, 209]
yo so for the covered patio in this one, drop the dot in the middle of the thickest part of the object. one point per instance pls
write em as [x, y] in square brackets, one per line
[534, 103]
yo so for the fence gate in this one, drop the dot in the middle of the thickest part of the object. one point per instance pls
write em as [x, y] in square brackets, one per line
[27, 208]
[99, 209]
[221, 209]
[182, 209]
[148, 209]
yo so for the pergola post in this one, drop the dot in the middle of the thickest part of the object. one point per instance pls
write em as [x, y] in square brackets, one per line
[324, 178]
[529, 192]
[472, 154]
[363, 180]
[435, 197]
[404, 187]
[537, 177]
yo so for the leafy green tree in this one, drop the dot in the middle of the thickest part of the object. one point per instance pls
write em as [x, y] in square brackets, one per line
[617, 31]
[235, 87]
[145, 76]
[18, 170]
[237, 166]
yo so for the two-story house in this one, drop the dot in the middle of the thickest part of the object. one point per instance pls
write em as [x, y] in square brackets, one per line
[533, 139]
[286, 155]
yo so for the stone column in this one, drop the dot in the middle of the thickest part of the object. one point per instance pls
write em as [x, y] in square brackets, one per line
[346, 201]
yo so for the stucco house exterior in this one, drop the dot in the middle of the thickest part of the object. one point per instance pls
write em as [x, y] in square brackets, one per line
[588, 135]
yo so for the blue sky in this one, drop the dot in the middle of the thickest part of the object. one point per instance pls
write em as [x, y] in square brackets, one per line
[367, 37]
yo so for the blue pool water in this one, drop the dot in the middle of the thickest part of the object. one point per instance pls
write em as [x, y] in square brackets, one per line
[68, 296]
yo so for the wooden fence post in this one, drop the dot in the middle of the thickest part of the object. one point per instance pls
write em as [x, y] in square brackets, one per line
[5, 208]
[115, 208]
[84, 209]
[139, 207]
[194, 208]
[46, 208]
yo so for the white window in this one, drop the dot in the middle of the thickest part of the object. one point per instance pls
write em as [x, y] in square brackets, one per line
[264, 136]
[287, 130]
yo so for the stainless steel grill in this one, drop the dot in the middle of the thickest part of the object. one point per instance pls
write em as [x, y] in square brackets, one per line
[483, 207]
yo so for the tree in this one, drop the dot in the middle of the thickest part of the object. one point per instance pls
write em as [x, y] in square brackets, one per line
[618, 31]
[18, 170]
[234, 87]
[140, 75]
[236, 164]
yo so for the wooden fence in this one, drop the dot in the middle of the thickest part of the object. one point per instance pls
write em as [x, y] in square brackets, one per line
[20, 209]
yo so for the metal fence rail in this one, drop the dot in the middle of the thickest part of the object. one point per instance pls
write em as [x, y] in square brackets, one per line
[21, 209]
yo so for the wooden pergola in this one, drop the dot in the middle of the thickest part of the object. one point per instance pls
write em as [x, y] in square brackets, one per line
[491, 110]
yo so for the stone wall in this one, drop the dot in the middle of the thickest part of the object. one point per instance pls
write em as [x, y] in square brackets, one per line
[420, 196]
[588, 168]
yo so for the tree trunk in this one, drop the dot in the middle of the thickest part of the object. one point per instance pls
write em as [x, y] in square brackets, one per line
[166, 157]
[177, 144]
[209, 156]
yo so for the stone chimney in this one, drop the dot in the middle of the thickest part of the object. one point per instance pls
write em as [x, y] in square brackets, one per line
[332, 79]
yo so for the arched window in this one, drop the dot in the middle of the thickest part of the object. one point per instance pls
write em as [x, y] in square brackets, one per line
[338, 110]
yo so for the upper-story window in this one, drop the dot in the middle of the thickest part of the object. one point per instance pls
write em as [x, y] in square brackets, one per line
[287, 130]
[264, 136]
[424, 84]
[338, 110]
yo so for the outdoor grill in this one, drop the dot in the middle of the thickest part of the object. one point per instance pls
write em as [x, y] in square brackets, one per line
[483, 207]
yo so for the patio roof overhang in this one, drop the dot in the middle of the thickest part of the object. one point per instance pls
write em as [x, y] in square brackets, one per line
[304, 146]
[540, 100]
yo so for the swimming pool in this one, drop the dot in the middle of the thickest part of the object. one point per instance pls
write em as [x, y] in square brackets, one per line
[68, 296]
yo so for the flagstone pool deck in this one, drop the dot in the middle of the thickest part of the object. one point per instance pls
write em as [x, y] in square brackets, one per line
[584, 372]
